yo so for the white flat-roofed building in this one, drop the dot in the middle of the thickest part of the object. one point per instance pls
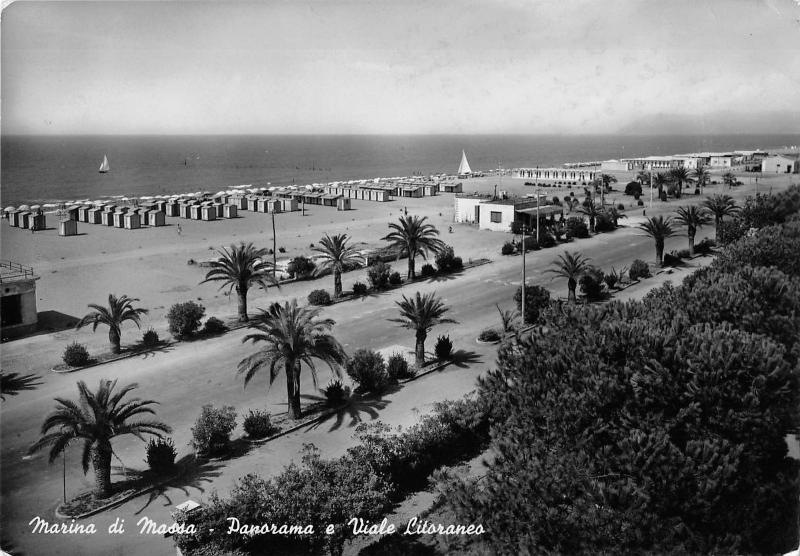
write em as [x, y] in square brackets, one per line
[781, 164]
[572, 175]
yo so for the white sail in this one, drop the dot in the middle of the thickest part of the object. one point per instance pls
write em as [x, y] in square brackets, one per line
[463, 168]
[104, 167]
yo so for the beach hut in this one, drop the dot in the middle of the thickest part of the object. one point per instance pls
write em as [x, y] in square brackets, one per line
[208, 212]
[429, 190]
[38, 221]
[25, 219]
[329, 200]
[71, 212]
[107, 218]
[342, 203]
[230, 211]
[155, 218]
[83, 213]
[173, 208]
[68, 228]
[13, 217]
[274, 205]
[220, 208]
[94, 216]
[238, 201]
[262, 204]
[195, 212]
[118, 219]
[132, 221]
[184, 210]
[252, 203]
[288, 205]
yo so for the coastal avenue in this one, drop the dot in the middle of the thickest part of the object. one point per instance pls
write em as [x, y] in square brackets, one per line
[187, 375]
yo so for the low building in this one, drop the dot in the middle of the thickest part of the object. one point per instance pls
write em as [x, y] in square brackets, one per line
[721, 160]
[781, 164]
[18, 301]
[68, 228]
[498, 214]
[576, 176]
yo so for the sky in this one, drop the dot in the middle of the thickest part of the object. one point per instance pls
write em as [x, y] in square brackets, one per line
[342, 67]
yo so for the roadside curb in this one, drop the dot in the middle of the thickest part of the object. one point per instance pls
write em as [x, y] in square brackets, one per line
[122, 500]
[433, 369]
[120, 357]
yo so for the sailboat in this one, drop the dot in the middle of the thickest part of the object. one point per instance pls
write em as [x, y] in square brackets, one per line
[104, 167]
[463, 168]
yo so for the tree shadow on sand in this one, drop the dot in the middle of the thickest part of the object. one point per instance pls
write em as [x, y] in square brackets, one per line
[196, 472]
[151, 352]
[464, 359]
[12, 384]
[445, 276]
[358, 409]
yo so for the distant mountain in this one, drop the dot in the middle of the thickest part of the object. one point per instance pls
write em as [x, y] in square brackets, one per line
[716, 123]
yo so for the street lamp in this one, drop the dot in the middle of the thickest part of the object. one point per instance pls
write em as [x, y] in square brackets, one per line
[522, 305]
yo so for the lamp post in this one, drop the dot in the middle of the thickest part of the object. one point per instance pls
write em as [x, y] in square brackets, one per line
[537, 214]
[651, 186]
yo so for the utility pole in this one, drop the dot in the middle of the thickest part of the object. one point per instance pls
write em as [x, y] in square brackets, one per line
[537, 214]
[651, 186]
[274, 247]
[64, 458]
[523, 273]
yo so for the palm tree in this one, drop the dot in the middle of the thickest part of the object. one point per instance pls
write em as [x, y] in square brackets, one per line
[701, 175]
[118, 311]
[679, 175]
[421, 313]
[336, 255]
[570, 266]
[592, 210]
[720, 206]
[643, 177]
[97, 418]
[729, 179]
[659, 228]
[660, 180]
[240, 268]
[414, 237]
[292, 336]
[509, 318]
[693, 218]
[614, 214]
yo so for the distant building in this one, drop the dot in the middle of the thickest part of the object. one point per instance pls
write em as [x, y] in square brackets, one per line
[721, 160]
[781, 164]
[498, 214]
[18, 301]
[575, 176]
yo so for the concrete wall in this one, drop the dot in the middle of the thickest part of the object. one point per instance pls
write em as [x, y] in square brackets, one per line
[506, 217]
[465, 209]
[779, 165]
[26, 289]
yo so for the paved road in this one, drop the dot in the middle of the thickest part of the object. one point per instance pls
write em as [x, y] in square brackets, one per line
[188, 375]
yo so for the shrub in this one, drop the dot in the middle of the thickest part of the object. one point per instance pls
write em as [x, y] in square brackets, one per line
[398, 368]
[704, 246]
[443, 348]
[184, 318]
[300, 267]
[639, 269]
[546, 240]
[530, 244]
[731, 230]
[367, 369]
[75, 355]
[395, 279]
[516, 227]
[576, 227]
[257, 424]
[446, 260]
[458, 263]
[683, 254]
[508, 248]
[211, 433]
[161, 454]
[672, 259]
[604, 223]
[150, 338]
[664, 196]
[536, 299]
[610, 279]
[633, 188]
[378, 275]
[591, 284]
[489, 335]
[359, 288]
[281, 250]
[427, 270]
[319, 297]
[213, 325]
[620, 207]
[640, 203]
[336, 393]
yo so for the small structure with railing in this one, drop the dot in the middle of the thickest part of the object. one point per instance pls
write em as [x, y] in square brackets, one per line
[18, 301]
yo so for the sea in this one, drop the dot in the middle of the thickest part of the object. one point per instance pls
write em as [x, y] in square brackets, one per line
[54, 169]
